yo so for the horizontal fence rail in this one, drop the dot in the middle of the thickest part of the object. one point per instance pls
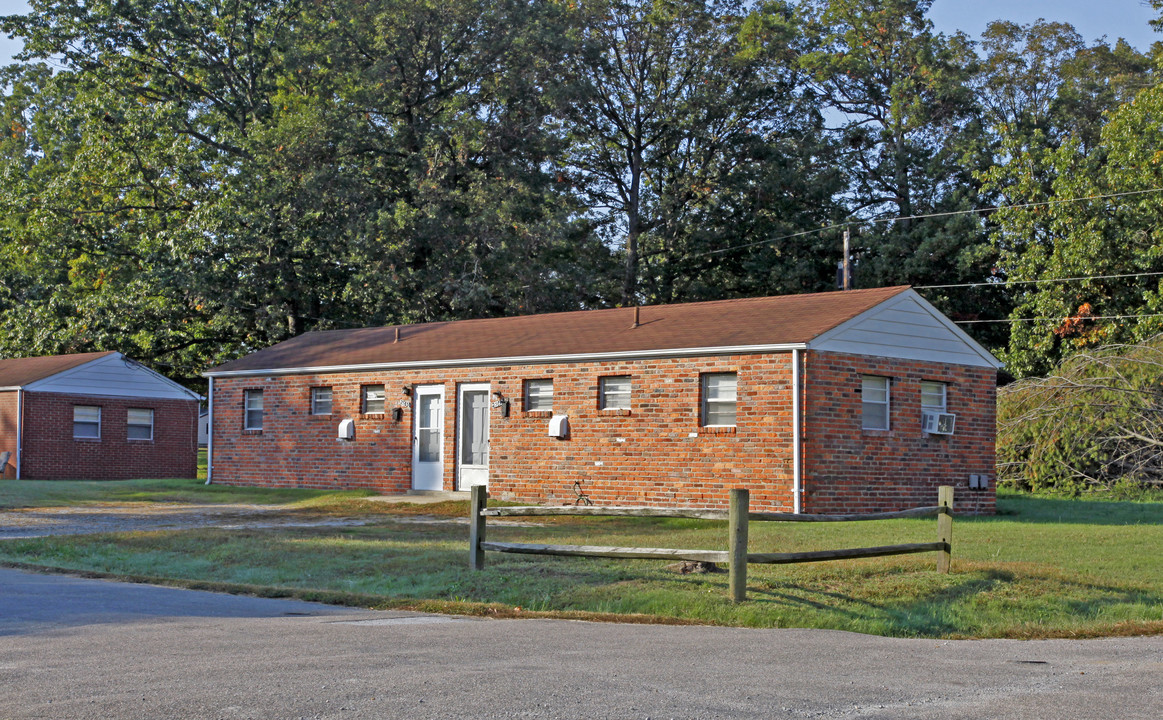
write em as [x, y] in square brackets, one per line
[609, 552]
[696, 514]
[738, 517]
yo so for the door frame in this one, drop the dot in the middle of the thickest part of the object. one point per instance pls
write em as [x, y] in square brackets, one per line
[437, 390]
[461, 389]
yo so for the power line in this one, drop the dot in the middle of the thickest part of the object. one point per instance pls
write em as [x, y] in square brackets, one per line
[1056, 319]
[951, 213]
[1003, 283]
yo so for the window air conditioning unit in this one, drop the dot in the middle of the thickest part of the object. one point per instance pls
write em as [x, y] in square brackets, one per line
[937, 423]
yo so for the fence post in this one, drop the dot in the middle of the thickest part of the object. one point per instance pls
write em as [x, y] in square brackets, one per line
[945, 527]
[737, 542]
[476, 526]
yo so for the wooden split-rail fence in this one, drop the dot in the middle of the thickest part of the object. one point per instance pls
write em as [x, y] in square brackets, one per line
[738, 516]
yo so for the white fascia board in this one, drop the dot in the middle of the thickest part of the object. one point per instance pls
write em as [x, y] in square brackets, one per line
[11, 388]
[988, 360]
[519, 360]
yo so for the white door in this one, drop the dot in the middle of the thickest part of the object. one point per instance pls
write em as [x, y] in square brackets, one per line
[472, 435]
[428, 438]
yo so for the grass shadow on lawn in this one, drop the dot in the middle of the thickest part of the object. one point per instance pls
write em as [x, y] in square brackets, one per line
[1024, 508]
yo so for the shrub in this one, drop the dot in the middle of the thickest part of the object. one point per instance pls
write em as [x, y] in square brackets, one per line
[1097, 423]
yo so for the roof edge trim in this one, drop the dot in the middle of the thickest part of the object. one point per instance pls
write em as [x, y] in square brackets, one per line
[527, 359]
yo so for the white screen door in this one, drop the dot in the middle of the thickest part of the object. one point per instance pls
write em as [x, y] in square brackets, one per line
[473, 436]
[428, 438]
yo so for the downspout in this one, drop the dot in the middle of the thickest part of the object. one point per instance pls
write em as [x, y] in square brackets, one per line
[797, 460]
[19, 428]
[210, 433]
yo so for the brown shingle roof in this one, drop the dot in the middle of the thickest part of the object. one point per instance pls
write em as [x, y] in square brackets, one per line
[17, 372]
[786, 319]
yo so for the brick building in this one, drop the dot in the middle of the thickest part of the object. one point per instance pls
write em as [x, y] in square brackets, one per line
[94, 416]
[846, 401]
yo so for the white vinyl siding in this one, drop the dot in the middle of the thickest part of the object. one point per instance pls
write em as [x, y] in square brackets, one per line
[874, 400]
[87, 422]
[113, 376]
[253, 410]
[139, 424]
[720, 398]
[614, 392]
[320, 401]
[933, 396]
[373, 399]
[538, 395]
[905, 327]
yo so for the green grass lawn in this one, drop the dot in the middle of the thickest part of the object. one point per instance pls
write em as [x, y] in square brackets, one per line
[1043, 567]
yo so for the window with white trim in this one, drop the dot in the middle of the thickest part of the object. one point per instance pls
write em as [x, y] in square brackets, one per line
[139, 424]
[874, 401]
[614, 392]
[538, 395]
[87, 422]
[373, 399]
[320, 401]
[252, 416]
[720, 398]
[933, 396]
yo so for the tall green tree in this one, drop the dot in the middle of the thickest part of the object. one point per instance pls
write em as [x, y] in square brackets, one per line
[1056, 106]
[905, 119]
[682, 137]
[226, 175]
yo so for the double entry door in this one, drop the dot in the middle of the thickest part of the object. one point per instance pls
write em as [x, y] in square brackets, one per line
[472, 436]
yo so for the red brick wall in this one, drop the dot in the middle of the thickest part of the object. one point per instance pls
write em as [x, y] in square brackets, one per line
[848, 469]
[51, 452]
[8, 431]
[654, 454]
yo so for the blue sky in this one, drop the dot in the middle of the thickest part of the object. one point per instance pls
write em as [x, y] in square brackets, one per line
[1092, 18]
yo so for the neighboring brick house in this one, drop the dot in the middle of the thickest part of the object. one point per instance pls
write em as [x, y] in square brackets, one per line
[94, 416]
[813, 402]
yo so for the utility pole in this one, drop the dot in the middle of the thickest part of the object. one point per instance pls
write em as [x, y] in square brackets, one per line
[847, 264]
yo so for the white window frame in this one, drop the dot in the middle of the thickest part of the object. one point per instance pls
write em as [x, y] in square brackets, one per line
[537, 399]
[315, 401]
[886, 403]
[614, 399]
[366, 399]
[130, 424]
[720, 399]
[86, 422]
[249, 407]
[932, 385]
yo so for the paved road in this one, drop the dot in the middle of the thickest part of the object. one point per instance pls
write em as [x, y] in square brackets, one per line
[74, 648]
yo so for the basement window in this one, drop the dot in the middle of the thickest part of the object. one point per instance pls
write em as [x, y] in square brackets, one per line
[874, 401]
[373, 399]
[139, 424]
[320, 401]
[720, 398]
[87, 422]
[253, 412]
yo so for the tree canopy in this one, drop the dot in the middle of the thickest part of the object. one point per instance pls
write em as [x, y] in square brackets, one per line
[186, 182]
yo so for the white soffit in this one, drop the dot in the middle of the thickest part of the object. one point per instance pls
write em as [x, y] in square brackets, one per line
[113, 376]
[906, 327]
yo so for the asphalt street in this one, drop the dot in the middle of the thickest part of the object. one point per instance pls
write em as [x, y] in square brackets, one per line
[78, 648]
